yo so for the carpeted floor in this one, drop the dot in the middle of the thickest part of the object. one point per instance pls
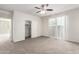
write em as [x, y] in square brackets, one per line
[39, 45]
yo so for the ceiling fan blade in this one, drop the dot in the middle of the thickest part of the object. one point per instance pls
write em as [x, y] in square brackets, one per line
[49, 9]
[37, 8]
[38, 11]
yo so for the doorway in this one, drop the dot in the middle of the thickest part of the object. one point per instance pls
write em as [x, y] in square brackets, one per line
[27, 29]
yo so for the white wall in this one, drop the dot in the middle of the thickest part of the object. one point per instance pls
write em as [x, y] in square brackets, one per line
[45, 26]
[19, 19]
[73, 24]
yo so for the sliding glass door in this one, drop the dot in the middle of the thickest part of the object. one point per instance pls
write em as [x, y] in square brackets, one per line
[57, 27]
[5, 29]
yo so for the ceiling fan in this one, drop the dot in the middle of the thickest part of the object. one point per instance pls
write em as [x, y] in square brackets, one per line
[43, 8]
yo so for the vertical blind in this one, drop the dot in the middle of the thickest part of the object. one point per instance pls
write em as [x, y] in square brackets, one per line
[57, 27]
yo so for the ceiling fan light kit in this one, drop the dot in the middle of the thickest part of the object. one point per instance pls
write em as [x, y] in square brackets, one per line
[42, 12]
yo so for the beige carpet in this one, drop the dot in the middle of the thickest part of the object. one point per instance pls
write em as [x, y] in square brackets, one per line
[39, 45]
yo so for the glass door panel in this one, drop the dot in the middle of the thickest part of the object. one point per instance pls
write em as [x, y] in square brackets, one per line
[52, 27]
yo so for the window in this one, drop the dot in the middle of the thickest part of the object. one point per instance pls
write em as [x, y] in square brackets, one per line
[57, 27]
[5, 26]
